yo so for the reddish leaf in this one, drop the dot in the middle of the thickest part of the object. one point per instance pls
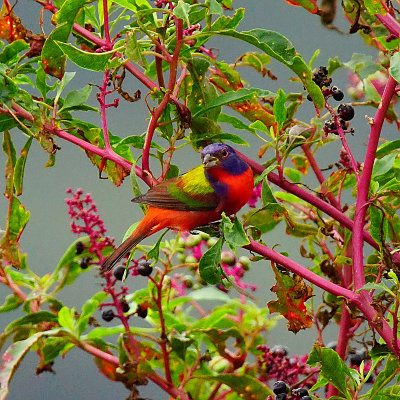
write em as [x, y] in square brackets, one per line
[292, 292]
[11, 27]
[309, 5]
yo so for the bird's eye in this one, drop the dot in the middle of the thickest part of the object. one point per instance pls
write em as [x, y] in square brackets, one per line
[224, 153]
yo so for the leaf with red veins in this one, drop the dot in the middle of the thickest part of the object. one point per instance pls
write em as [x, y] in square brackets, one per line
[115, 172]
[292, 292]
[11, 27]
[310, 5]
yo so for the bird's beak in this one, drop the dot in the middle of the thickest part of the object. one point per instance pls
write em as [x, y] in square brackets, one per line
[209, 160]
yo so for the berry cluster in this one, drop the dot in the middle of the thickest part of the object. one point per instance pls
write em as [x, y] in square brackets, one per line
[345, 112]
[274, 364]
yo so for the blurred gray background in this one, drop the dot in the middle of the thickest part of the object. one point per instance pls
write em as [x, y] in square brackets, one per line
[47, 235]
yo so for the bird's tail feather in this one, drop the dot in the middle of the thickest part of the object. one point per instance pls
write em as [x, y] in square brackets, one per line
[121, 251]
[147, 227]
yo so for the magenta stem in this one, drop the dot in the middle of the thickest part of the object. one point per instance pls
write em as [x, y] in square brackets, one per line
[364, 183]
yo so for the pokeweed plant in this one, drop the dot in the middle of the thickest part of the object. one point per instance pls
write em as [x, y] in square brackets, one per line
[188, 351]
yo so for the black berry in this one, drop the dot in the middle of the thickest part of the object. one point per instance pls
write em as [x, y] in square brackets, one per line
[124, 305]
[144, 268]
[85, 262]
[305, 398]
[309, 98]
[141, 311]
[281, 396]
[108, 315]
[280, 387]
[337, 94]
[119, 272]
[279, 350]
[300, 392]
[79, 247]
[346, 112]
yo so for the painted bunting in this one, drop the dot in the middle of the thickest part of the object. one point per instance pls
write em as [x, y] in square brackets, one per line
[222, 183]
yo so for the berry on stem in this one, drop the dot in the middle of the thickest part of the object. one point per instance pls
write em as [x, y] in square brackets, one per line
[281, 396]
[85, 262]
[119, 272]
[124, 305]
[337, 94]
[79, 247]
[280, 387]
[346, 112]
[108, 315]
[300, 392]
[144, 268]
[141, 311]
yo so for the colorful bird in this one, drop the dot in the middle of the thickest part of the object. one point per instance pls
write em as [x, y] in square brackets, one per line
[222, 183]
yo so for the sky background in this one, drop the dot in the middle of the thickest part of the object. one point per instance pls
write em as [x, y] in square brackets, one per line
[47, 235]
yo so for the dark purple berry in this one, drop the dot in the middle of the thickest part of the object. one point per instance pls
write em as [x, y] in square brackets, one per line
[358, 357]
[281, 396]
[280, 387]
[305, 398]
[337, 94]
[119, 272]
[79, 247]
[141, 311]
[321, 77]
[300, 392]
[309, 98]
[108, 315]
[85, 262]
[144, 268]
[124, 305]
[346, 112]
[279, 350]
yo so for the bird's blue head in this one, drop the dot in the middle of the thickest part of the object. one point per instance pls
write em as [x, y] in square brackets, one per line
[220, 155]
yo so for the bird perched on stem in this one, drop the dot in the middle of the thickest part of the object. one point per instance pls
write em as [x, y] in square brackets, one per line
[222, 183]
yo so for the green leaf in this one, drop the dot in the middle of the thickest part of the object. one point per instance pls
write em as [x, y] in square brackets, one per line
[246, 386]
[230, 98]
[153, 253]
[86, 59]
[20, 167]
[133, 5]
[363, 65]
[375, 7]
[392, 369]
[66, 318]
[209, 263]
[76, 97]
[379, 225]
[69, 11]
[235, 122]
[332, 368]
[209, 293]
[387, 148]
[133, 50]
[88, 308]
[100, 332]
[279, 108]
[181, 11]
[32, 319]
[13, 357]
[11, 302]
[383, 164]
[234, 233]
[266, 194]
[214, 7]
[10, 52]
[7, 122]
[377, 286]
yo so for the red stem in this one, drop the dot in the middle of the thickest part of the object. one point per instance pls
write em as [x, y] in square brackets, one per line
[106, 26]
[364, 183]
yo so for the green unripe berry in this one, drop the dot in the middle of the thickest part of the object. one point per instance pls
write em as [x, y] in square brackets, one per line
[227, 257]
[212, 241]
[245, 261]
[190, 259]
[193, 240]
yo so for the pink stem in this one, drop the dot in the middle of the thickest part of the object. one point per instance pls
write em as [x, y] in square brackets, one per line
[106, 25]
[363, 185]
[102, 100]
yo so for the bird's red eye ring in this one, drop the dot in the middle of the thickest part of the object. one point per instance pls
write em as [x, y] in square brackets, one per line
[224, 153]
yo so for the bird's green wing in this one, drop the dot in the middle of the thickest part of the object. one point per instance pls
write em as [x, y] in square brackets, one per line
[188, 192]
